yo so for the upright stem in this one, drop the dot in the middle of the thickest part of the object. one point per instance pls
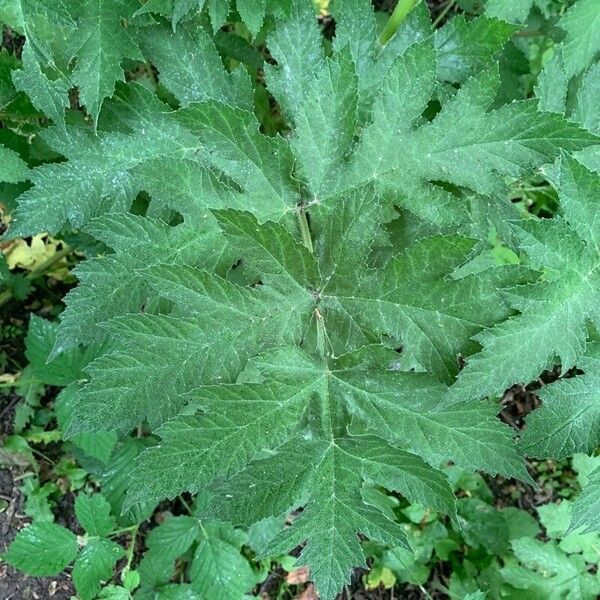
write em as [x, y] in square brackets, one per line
[321, 334]
[398, 15]
[131, 547]
[304, 230]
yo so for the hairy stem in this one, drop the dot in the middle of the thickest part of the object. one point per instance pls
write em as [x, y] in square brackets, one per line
[321, 334]
[122, 531]
[131, 547]
[398, 15]
[440, 17]
[304, 229]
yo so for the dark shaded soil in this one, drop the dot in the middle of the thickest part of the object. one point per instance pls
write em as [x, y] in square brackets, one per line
[15, 585]
[12, 42]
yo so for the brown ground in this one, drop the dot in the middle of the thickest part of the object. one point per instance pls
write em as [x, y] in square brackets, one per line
[13, 584]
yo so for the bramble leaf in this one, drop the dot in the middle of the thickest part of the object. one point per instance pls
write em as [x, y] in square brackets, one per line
[95, 564]
[93, 514]
[42, 549]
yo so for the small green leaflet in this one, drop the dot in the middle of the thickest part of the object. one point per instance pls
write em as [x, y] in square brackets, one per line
[42, 549]
[95, 564]
[218, 569]
[66, 368]
[556, 519]
[548, 572]
[93, 513]
[12, 167]
[586, 508]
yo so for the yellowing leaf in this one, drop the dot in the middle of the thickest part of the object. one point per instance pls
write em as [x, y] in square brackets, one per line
[30, 255]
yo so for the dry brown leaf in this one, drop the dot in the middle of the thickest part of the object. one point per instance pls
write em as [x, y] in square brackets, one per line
[299, 575]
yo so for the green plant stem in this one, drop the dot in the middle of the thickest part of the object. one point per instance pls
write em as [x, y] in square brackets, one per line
[321, 334]
[121, 531]
[186, 505]
[6, 295]
[304, 229]
[16, 382]
[398, 15]
[449, 5]
[131, 548]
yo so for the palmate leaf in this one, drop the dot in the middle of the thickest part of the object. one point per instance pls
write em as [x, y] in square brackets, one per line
[278, 312]
[237, 422]
[508, 140]
[217, 326]
[555, 310]
[251, 326]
